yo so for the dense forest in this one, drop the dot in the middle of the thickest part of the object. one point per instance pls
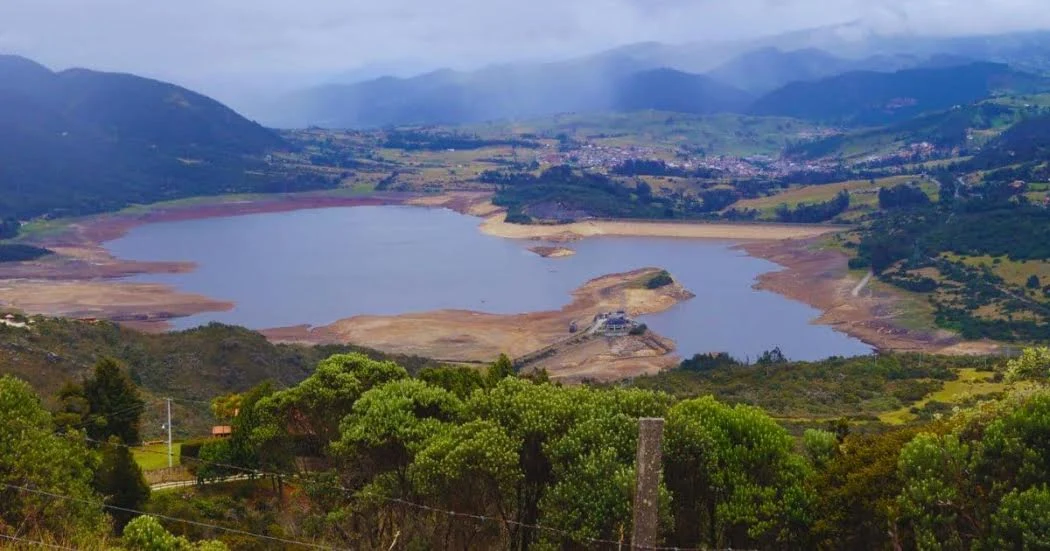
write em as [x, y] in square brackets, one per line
[422, 140]
[362, 454]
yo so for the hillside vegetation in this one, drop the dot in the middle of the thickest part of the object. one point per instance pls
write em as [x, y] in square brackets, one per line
[191, 365]
[80, 141]
[361, 454]
[868, 98]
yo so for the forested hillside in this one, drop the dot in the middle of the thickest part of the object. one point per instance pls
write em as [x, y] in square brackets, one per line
[80, 141]
[868, 98]
[363, 455]
[197, 364]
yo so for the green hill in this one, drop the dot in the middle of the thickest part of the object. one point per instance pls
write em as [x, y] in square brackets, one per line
[960, 129]
[868, 98]
[194, 365]
[80, 141]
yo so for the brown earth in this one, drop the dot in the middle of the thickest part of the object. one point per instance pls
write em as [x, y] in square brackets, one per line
[820, 278]
[465, 336]
[496, 224]
[80, 279]
[552, 252]
[79, 282]
[143, 305]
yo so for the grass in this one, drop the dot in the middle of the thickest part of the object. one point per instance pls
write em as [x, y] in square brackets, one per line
[736, 135]
[862, 194]
[970, 384]
[155, 456]
[1014, 272]
[912, 311]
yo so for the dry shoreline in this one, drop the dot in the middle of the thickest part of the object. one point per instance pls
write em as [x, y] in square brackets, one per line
[821, 279]
[468, 336]
[82, 280]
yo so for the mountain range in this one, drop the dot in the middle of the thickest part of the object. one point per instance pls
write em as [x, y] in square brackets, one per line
[807, 84]
[80, 141]
[870, 98]
[717, 77]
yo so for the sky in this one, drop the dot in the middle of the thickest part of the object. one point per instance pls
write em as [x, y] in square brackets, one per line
[229, 47]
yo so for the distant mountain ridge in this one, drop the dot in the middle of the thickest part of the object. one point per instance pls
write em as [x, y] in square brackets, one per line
[607, 83]
[869, 98]
[764, 70]
[618, 84]
[81, 141]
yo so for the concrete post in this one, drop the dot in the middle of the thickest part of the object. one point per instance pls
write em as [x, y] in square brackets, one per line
[647, 483]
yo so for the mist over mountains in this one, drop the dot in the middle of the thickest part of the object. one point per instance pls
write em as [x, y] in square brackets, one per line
[699, 78]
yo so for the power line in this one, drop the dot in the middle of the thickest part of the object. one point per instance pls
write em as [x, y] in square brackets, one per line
[351, 492]
[36, 542]
[450, 513]
[164, 517]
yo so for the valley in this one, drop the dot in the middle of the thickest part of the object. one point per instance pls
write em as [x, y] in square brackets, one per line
[782, 292]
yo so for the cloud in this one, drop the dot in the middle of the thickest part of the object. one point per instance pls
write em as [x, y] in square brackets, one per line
[211, 42]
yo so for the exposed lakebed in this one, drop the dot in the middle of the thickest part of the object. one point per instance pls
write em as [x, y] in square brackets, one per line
[321, 265]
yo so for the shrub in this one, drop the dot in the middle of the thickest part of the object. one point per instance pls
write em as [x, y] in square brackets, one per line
[661, 279]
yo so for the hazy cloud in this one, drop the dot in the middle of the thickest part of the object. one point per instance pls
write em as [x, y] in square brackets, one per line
[216, 43]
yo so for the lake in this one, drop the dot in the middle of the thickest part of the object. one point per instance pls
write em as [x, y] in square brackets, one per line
[318, 266]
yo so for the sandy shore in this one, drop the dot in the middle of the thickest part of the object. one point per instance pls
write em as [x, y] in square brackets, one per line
[821, 279]
[82, 278]
[465, 336]
[144, 305]
[82, 281]
[496, 225]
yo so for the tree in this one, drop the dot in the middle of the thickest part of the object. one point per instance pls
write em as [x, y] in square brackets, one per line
[470, 468]
[1022, 521]
[73, 411]
[145, 533]
[461, 381]
[772, 357]
[820, 446]
[1032, 365]
[1033, 282]
[983, 482]
[312, 410]
[500, 370]
[858, 489]
[734, 478]
[119, 480]
[644, 190]
[114, 403]
[32, 455]
[226, 407]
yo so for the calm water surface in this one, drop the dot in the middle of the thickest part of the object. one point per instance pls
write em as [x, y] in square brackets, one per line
[318, 266]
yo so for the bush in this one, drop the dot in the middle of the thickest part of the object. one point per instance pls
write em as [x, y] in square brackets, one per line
[661, 279]
[19, 253]
[639, 329]
[190, 451]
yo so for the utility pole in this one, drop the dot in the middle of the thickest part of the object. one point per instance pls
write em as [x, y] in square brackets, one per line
[169, 433]
[647, 482]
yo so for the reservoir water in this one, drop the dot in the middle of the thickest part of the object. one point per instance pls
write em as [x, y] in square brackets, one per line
[318, 266]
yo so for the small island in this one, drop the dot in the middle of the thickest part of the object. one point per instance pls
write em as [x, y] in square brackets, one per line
[552, 252]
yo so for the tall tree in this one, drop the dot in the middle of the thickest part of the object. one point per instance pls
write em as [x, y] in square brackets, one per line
[119, 480]
[32, 455]
[114, 403]
[734, 477]
[499, 370]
